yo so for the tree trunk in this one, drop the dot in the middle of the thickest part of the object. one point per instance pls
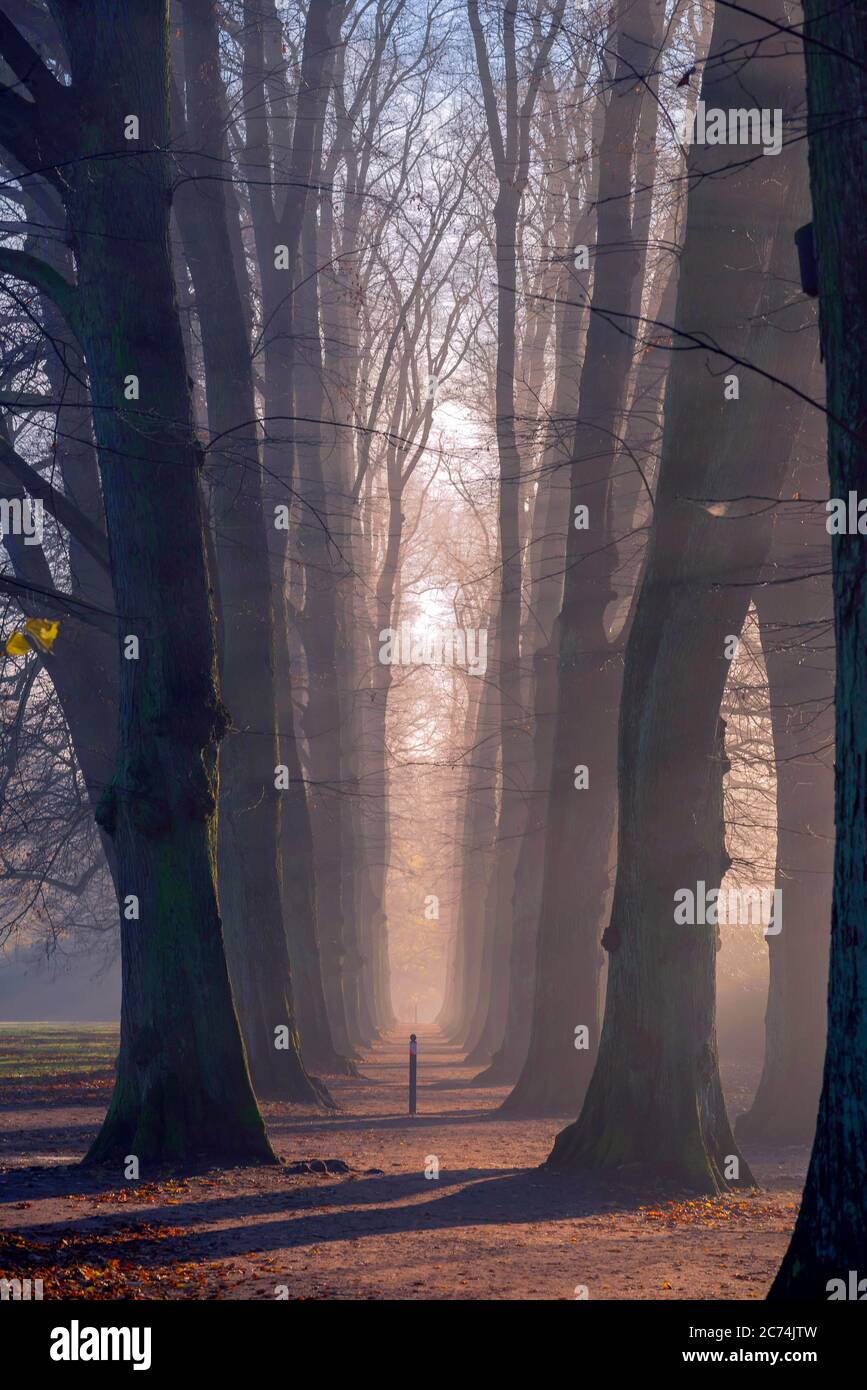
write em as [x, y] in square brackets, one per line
[830, 1236]
[182, 1085]
[249, 846]
[511, 156]
[576, 878]
[551, 523]
[278, 214]
[655, 1102]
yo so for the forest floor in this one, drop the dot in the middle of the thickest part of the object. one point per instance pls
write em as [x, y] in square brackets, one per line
[490, 1226]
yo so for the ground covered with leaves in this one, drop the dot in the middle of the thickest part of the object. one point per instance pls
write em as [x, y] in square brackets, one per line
[351, 1213]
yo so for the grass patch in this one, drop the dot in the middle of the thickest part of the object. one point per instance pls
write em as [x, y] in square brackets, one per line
[41, 1050]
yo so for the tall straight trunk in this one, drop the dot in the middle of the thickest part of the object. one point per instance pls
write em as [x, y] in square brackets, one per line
[794, 608]
[484, 907]
[507, 1061]
[310, 831]
[515, 748]
[318, 552]
[249, 840]
[376, 782]
[340, 298]
[551, 521]
[477, 849]
[182, 1086]
[351, 664]
[830, 1236]
[510, 147]
[550, 526]
[583, 796]
[300, 907]
[655, 1103]
[372, 834]
[451, 1011]
[278, 206]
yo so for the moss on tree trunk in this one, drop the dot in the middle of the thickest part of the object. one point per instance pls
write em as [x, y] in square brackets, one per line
[182, 1089]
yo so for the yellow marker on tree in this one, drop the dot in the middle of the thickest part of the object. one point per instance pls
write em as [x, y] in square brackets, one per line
[44, 631]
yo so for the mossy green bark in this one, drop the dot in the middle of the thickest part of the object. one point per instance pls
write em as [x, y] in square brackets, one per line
[183, 1089]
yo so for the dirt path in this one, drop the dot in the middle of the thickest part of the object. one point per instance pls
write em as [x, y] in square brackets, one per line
[489, 1226]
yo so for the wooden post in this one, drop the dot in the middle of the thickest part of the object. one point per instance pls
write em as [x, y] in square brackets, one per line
[413, 1065]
